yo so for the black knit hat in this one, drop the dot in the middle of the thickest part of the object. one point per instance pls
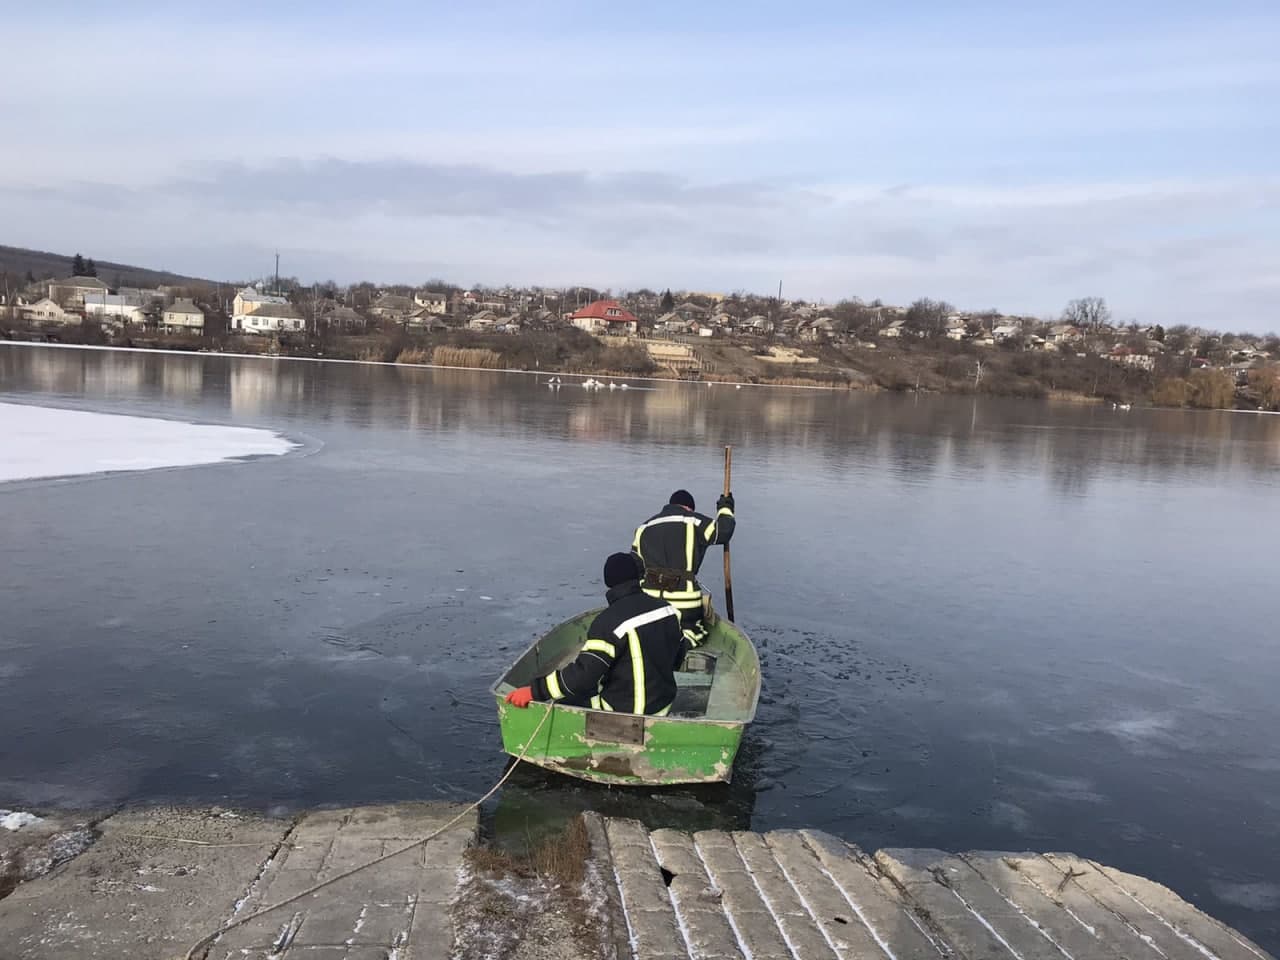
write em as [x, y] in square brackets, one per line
[620, 568]
[682, 498]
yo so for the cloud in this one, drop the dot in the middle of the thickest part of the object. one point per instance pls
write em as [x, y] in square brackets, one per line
[1174, 250]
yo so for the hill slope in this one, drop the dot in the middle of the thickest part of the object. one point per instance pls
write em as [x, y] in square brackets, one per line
[17, 261]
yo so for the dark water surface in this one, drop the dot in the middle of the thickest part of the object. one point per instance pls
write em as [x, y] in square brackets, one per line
[987, 624]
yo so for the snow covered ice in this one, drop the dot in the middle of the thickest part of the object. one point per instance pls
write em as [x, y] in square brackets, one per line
[17, 819]
[40, 442]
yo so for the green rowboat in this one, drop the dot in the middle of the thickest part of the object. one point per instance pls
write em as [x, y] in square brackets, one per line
[696, 742]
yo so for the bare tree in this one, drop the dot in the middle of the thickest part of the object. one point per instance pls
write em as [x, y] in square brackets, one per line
[1088, 313]
[928, 318]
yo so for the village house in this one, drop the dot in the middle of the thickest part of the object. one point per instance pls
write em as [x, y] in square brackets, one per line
[436, 303]
[757, 325]
[183, 316]
[114, 307]
[1064, 333]
[1006, 331]
[894, 329]
[46, 310]
[143, 295]
[817, 330]
[343, 318]
[269, 318]
[424, 318]
[605, 316]
[392, 307]
[691, 311]
[70, 293]
[250, 300]
[1126, 357]
[484, 320]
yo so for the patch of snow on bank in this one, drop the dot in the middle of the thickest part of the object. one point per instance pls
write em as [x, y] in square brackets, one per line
[17, 819]
[48, 442]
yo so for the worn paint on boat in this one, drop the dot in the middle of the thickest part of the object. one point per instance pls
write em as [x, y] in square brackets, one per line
[717, 690]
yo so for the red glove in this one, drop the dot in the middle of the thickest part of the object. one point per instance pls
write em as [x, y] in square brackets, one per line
[520, 697]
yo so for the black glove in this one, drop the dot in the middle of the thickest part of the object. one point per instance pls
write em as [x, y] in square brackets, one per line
[726, 500]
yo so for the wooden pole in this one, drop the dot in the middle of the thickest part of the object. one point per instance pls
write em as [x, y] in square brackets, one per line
[728, 576]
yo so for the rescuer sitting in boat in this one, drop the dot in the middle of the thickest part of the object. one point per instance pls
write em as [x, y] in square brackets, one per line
[671, 546]
[629, 661]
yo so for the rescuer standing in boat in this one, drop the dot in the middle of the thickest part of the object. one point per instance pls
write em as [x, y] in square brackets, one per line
[629, 661]
[671, 546]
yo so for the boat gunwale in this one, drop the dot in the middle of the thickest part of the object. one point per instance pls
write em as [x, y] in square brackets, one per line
[702, 721]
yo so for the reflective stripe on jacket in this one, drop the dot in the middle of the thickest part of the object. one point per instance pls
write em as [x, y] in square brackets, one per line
[677, 539]
[629, 659]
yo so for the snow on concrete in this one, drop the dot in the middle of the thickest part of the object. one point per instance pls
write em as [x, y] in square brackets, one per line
[47, 442]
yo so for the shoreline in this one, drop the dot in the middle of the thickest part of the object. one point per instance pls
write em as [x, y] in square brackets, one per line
[420, 366]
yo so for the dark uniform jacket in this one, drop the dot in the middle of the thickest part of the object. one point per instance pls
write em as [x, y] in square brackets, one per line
[673, 543]
[629, 661]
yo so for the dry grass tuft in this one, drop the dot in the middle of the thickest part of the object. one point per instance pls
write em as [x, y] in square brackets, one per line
[413, 355]
[481, 357]
[560, 860]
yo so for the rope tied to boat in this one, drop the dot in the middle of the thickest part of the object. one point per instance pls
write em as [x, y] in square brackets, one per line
[207, 941]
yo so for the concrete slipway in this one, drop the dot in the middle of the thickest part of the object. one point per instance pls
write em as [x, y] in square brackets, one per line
[155, 882]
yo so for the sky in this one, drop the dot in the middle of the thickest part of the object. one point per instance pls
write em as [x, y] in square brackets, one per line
[992, 154]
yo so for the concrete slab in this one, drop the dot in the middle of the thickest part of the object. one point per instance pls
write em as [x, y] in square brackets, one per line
[1150, 926]
[1074, 937]
[1217, 937]
[154, 882]
[876, 902]
[1082, 908]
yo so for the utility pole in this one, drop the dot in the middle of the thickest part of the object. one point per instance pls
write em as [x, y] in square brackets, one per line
[277, 290]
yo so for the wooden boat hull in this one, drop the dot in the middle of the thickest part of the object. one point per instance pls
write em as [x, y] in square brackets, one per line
[695, 743]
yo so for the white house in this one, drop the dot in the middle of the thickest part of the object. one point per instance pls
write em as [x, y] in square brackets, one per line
[250, 300]
[114, 306]
[436, 303]
[268, 318]
[894, 329]
[47, 311]
[183, 315]
[1006, 331]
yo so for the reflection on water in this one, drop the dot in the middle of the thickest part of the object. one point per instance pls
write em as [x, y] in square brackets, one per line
[916, 436]
[982, 624]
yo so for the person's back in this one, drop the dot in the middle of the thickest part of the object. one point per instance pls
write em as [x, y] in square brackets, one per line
[629, 660]
[647, 643]
[672, 544]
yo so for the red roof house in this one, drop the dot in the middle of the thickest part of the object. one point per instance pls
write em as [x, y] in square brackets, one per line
[606, 315]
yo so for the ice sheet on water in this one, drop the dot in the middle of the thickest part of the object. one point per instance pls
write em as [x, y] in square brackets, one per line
[17, 819]
[51, 442]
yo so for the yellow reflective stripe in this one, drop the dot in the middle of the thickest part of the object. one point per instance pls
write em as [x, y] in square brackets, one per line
[600, 646]
[637, 671]
[711, 532]
[724, 512]
[664, 711]
[672, 594]
[688, 547]
[686, 604]
[635, 544]
[553, 687]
